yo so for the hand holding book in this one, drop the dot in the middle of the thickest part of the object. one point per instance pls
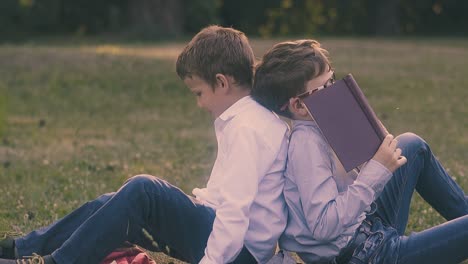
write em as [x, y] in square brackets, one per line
[389, 155]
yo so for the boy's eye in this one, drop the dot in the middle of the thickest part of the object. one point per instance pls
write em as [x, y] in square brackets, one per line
[198, 93]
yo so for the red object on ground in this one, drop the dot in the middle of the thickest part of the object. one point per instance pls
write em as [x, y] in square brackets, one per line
[131, 255]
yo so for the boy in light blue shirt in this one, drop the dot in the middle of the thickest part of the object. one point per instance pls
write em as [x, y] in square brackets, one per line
[360, 216]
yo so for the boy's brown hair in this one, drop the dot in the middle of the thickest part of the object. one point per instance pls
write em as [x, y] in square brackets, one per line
[216, 50]
[285, 70]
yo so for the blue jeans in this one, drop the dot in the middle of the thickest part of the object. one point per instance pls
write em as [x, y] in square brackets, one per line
[445, 243]
[146, 211]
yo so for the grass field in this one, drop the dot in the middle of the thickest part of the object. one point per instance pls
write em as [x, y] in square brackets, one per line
[77, 120]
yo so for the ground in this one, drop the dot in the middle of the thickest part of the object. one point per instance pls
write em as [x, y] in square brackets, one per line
[76, 120]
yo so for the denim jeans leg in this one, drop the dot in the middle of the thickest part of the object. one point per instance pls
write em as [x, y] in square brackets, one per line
[145, 211]
[438, 188]
[424, 173]
[446, 243]
[381, 245]
[47, 239]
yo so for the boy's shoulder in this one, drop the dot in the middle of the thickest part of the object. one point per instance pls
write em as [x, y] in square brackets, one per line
[307, 134]
[248, 112]
[248, 116]
[258, 117]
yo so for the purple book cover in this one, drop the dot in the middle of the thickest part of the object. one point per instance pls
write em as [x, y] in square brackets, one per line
[347, 121]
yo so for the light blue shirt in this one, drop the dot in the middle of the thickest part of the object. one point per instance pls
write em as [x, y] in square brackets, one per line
[246, 183]
[325, 204]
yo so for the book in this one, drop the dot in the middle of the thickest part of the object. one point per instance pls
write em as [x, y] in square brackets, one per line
[347, 121]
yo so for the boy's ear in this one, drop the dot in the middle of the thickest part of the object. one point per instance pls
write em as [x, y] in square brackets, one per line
[297, 107]
[223, 83]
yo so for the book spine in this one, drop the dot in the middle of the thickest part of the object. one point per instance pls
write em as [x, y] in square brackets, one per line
[365, 106]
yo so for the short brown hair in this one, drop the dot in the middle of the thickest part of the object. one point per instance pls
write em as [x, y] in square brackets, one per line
[285, 70]
[216, 50]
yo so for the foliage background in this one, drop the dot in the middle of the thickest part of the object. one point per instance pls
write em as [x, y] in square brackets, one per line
[155, 19]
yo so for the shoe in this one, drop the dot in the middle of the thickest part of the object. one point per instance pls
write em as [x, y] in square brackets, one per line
[7, 244]
[35, 259]
[9, 234]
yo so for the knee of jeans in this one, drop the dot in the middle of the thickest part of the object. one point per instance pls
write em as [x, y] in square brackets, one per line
[95, 204]
[410, 142]
[144, 183]
[103, 199]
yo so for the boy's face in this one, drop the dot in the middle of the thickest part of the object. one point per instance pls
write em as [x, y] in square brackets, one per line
[211, 100]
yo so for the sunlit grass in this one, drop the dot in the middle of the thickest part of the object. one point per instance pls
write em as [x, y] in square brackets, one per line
[76, 121]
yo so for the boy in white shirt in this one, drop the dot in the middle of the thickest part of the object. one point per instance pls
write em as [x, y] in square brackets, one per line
[237, 218]
[360, 216]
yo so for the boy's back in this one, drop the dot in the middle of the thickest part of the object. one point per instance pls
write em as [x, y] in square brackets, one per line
[248, 178]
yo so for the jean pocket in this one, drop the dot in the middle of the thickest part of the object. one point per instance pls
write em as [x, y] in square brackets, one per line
[368, 248]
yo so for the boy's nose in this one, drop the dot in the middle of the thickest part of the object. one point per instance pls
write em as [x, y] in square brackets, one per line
[199, 104]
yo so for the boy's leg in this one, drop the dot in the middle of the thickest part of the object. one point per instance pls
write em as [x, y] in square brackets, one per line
[424, 173]
[45, 240]
[445, 243]
[148, 212]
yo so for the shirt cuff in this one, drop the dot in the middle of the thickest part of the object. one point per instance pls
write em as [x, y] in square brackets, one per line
[205, 260]
[374, 175]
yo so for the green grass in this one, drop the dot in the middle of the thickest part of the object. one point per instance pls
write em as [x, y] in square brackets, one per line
[77, 120]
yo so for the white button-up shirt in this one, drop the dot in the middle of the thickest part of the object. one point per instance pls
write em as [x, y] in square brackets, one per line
[325, 203]
[246, 183]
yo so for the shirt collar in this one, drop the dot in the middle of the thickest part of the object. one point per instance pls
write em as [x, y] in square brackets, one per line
[234, 109]
[303, 123]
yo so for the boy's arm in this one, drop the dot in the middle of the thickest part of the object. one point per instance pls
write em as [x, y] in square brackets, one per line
[246, 162]
[328, 213]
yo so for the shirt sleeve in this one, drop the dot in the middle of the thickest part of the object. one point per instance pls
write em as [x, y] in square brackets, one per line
[329, 213]
[247, 160]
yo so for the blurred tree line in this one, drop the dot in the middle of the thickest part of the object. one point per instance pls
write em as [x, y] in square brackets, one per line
[169, 18]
